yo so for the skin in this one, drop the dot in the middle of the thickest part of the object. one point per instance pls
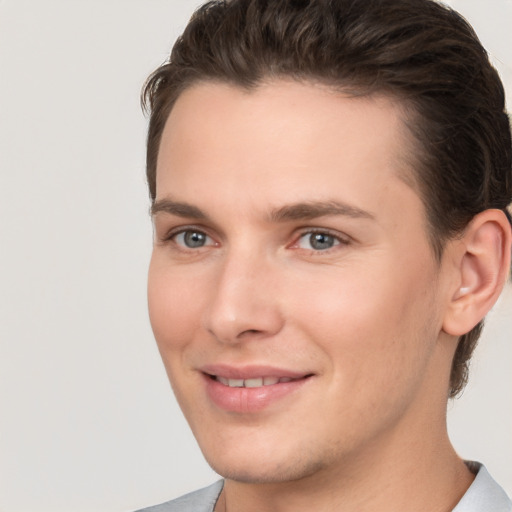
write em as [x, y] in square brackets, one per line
[366, 318]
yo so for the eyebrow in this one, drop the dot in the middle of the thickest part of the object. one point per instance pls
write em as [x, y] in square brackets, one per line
[176, 208]
[297, 211]
[314, 209]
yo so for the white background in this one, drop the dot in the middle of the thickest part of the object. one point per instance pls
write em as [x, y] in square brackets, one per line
[87, 421]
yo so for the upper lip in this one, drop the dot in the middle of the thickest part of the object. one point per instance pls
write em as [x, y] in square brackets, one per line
[250, 371]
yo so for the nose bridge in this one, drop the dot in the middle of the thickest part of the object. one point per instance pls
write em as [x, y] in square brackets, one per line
[243, 303]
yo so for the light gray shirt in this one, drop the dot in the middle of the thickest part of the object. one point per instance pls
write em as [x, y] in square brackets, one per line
[484, 495]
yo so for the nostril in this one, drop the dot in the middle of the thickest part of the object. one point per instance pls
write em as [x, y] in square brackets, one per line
[250, 331]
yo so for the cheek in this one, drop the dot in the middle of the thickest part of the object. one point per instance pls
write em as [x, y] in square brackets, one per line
[374, 327]
[174, 306]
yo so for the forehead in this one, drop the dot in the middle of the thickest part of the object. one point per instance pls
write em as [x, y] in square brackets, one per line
[288, 109]
[283, 141]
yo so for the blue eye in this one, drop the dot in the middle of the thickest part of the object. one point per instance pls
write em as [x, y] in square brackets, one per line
[192, 239]
[318, 241]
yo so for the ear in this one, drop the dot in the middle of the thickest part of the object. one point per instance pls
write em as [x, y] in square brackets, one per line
[482, 264]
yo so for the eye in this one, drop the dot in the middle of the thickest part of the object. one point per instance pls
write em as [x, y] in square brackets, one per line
[192, 239]
[318, 241]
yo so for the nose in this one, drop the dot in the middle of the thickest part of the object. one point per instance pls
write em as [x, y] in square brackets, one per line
[244, 301]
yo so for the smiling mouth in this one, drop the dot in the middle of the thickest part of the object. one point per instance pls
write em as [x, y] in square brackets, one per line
[254, 382]
[250, 390]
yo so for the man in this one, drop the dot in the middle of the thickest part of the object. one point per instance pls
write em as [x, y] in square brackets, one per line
[329, 185]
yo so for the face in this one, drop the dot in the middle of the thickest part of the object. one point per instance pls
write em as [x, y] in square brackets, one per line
[292, 289]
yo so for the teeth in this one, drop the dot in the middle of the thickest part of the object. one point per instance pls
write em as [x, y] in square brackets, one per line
[236, 383]
[252, 383]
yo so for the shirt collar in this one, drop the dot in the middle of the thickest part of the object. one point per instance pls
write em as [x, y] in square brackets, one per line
[484, 494]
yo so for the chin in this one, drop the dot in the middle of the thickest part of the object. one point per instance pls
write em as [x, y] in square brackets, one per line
[264, 468]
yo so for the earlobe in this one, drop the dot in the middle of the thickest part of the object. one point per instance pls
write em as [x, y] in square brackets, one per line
[483, 265]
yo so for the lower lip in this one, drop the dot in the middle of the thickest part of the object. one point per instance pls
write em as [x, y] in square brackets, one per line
[249, 400]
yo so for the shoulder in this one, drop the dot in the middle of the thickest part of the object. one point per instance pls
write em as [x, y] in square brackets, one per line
[202, 500]
[484, 494]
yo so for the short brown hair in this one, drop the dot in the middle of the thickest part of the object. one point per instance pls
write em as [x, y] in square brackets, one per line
[418, 51]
